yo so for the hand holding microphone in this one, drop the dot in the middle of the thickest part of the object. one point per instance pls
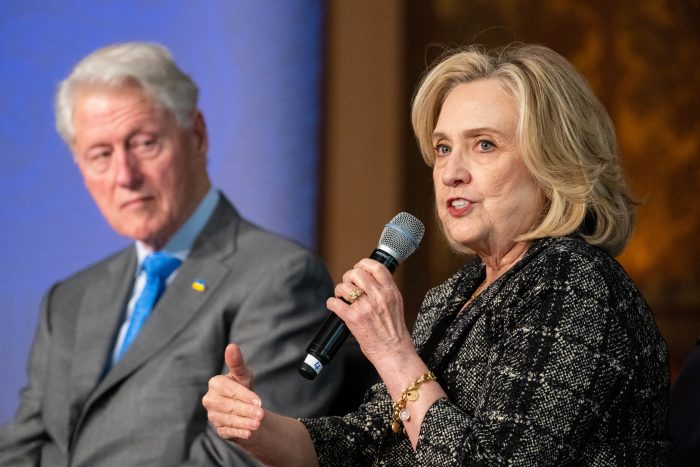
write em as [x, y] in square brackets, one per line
[399, 239]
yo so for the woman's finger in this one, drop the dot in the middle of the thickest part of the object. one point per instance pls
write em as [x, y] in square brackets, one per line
[227, 387]
[233, 433]
[228, 411]
[247, 418]
[236, 365]
[226, 405]
[377, 271]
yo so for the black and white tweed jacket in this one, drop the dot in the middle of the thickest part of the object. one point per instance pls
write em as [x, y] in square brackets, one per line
[558, 362]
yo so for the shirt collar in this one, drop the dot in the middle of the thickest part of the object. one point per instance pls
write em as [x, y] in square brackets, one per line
[180, 244]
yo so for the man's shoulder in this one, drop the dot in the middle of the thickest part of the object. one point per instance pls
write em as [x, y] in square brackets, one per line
[228, 229]
[255, 252]
[251, 232]
[254, 236]
[66, 294]
[94, 271]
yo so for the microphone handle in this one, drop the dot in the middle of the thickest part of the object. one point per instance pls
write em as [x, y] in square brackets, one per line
[334, 332]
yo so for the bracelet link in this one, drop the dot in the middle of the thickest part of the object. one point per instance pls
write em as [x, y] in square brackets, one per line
[400, 412]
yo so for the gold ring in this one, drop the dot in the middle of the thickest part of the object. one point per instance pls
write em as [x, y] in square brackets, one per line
[355, 294]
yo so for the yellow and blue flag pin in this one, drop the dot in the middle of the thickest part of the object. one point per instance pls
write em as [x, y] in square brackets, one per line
[199, 285]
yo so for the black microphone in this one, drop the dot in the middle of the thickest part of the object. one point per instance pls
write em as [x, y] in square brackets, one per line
[399, 239]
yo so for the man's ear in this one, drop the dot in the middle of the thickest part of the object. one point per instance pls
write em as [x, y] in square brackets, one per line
[199, 128]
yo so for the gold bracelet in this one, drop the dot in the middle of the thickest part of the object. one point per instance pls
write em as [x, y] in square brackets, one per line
[408, 394]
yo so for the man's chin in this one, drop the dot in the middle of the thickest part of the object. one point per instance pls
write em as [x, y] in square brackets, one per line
[149, 237]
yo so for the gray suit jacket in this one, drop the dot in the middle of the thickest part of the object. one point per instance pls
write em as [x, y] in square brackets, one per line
[265, 293]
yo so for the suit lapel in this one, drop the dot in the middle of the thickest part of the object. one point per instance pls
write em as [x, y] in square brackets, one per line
[99, 316]
[181, 302]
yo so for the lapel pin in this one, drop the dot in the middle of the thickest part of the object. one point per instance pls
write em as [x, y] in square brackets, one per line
[199, 285]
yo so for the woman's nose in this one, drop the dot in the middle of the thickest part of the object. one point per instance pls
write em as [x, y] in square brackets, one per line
[455, 171]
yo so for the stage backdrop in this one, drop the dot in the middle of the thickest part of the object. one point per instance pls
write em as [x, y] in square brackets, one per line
[259, 71]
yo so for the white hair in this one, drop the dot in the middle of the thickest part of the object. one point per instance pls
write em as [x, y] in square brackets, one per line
[145, 65]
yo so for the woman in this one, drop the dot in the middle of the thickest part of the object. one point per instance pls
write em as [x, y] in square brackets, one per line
[540, 351]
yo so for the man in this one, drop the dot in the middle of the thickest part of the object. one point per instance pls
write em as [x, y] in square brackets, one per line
[114, 380]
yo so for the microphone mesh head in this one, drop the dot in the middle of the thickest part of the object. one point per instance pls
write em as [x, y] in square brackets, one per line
[401, 236]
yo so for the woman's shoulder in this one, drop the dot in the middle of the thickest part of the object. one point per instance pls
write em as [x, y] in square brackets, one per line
[567, 279]
[572, 256]
[570, 245]
[584, 284]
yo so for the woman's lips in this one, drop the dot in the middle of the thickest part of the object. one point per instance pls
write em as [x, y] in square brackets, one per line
[458, 207]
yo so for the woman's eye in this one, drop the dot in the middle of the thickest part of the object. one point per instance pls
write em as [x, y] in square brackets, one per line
[442, 149]
[486, 145]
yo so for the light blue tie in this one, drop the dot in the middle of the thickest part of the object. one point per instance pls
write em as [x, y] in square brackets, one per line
[158, 267]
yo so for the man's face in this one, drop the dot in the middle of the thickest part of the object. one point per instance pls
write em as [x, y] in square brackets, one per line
[146, 173]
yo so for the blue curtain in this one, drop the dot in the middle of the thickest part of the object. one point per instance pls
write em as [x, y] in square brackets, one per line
[258, 65]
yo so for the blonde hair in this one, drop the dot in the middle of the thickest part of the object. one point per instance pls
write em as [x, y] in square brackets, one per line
[146, 65]
[566, 137]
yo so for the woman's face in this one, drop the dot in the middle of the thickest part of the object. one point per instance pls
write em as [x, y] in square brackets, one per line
[485, 195]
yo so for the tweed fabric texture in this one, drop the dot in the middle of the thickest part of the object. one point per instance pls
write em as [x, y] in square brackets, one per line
[558, 362]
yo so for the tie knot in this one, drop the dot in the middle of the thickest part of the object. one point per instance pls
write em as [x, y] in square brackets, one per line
[160, 264]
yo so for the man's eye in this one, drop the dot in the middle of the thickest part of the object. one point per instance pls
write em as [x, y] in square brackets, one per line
[98, 160]
[96, 155]
[145, 143]
[144, 146]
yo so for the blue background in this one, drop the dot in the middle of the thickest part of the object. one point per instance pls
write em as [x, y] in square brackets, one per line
[258, 65]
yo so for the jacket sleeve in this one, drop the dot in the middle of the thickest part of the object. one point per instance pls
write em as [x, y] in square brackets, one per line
[22, 439]
[356, 438]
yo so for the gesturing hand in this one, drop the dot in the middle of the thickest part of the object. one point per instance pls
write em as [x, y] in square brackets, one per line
[232, 407]
[237, 370]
